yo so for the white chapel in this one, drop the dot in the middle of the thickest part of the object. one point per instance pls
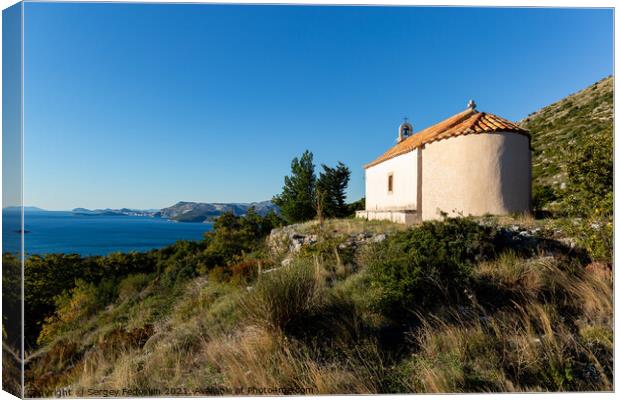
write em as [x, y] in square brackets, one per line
[473, 163]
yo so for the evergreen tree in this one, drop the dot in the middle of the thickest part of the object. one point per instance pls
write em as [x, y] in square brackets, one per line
[297, 200]
[331, 187]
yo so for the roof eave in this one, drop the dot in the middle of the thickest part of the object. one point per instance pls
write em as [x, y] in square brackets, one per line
[519, 131]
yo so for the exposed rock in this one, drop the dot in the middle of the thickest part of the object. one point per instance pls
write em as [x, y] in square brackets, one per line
[287, 241]
[379, 238]
[570, 242]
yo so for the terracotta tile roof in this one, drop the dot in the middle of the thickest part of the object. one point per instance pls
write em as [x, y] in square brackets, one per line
[464, 123]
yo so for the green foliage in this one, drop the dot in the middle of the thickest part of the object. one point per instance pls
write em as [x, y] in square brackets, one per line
[429, 264]
[330, 188]
[591, 177]
[11, 299]
[297, 200]
[303, 193]
[72, 306]
[356, 206]
[132, 285]
[47, 277]
[572, 143]
[234, 236]
[595, 234]
[542, 196]
[589, 196]
[561, 135]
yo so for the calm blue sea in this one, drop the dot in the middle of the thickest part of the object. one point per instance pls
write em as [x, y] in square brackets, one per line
[64, 232]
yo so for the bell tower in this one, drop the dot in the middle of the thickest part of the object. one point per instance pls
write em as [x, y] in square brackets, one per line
[404, 130]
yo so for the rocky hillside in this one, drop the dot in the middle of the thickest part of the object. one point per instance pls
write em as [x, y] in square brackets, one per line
[185, 211]
[560, 128]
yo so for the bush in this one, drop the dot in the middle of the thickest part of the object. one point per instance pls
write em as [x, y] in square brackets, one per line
[132, 285]
[72, 307]
[245, 271]
[234, 236]
[420, 267]
[283, 296]
[356, 206]
[11, 297]
[591, 177]
[594, 234]
[542, 196]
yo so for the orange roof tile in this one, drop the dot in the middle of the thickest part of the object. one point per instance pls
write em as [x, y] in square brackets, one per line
[464, 123]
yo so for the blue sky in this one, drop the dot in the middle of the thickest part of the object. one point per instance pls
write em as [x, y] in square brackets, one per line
[138, 105]
[11, 106]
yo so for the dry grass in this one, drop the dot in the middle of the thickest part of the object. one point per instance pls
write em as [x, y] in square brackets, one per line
[350, 226]
[170, 356]
[511, 271]
[11, 370]
[528, 345]
[523, 220]
[530, 350]
[257, 358]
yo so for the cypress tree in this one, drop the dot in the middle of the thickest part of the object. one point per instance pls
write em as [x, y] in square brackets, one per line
[332, 184]
[297, 200]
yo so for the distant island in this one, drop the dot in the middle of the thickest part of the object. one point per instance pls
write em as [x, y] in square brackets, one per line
[185, 211]
[26, 208]
[119, 211]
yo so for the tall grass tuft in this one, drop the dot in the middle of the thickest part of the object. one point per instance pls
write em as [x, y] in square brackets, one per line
[283, 296]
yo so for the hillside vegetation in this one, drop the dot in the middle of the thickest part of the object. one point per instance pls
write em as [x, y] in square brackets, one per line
[451, 306]
[561, 130]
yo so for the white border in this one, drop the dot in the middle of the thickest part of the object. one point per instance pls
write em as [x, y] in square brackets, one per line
[471, 3]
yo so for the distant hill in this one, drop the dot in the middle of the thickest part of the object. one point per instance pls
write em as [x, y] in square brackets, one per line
[560, 128]
[26, 208]
[185, 211]
[110, 211]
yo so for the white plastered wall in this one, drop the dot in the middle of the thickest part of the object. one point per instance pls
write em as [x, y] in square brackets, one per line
[476, 174]
[405, 177]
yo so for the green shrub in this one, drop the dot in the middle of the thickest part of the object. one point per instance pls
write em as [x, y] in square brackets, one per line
[11, 297]
[594, 234]
[428, 263]
[106, 292]
[132, 285]
[591, 177]
[234, 236]
[72, 307]
[356, 206]
[542, 196]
